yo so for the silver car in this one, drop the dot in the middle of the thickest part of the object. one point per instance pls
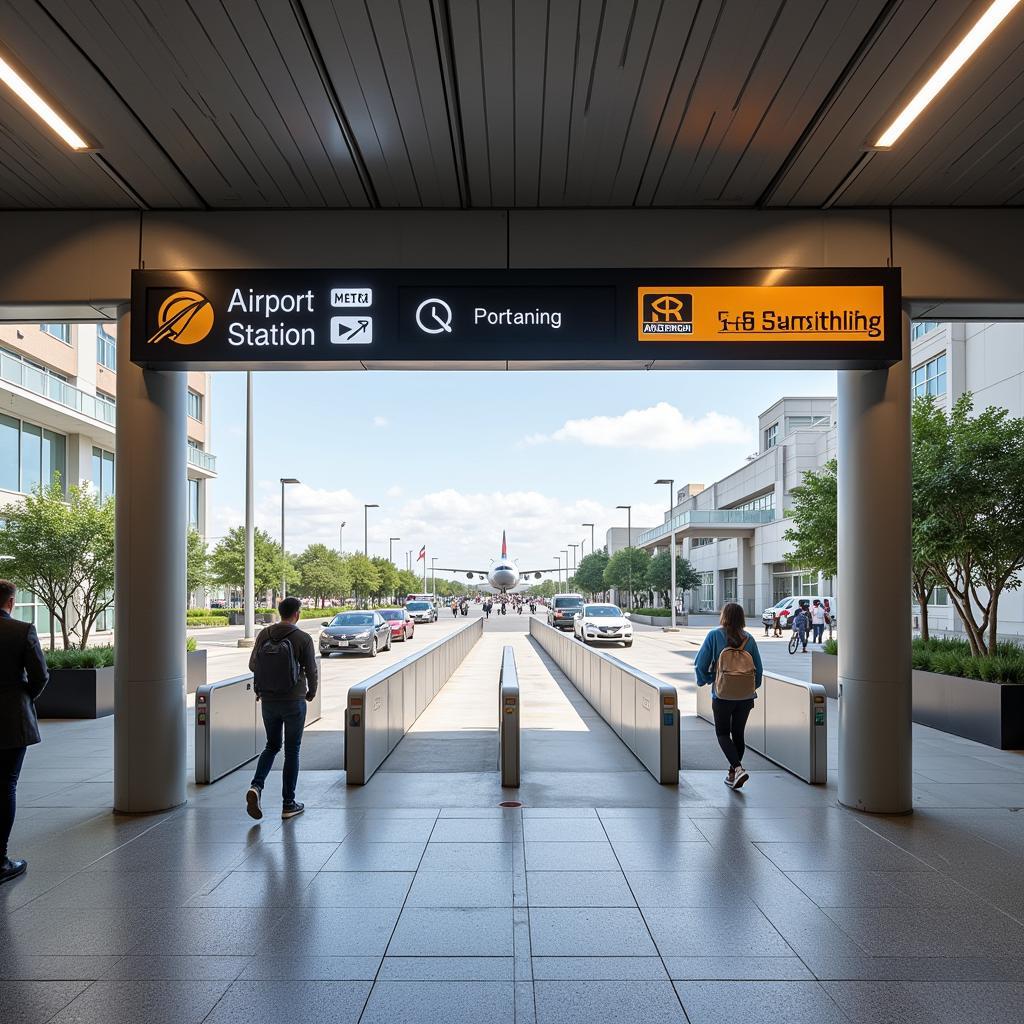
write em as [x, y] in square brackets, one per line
[355, 632]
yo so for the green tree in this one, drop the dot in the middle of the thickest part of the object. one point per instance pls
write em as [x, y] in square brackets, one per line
[322, 574]
[61, 547]
[627, 570]
[408, 583]
[968, 506]
[197, 558]
[387, 578]
[659, 575]
[227, 562]
[546, 589]
[815, 516]
[363, 576]
[590, 573]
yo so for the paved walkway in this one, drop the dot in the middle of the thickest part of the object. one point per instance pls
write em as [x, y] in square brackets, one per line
[606, 898]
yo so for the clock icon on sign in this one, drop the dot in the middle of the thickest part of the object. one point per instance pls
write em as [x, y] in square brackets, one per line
[434, 316]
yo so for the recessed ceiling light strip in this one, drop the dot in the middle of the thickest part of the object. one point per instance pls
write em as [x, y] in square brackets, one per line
[41, 107]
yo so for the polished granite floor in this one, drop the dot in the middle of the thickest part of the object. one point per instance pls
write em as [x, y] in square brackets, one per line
[605, 898]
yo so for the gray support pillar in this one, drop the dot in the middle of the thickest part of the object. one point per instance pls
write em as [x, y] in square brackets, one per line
[875, 762]
[149, 708]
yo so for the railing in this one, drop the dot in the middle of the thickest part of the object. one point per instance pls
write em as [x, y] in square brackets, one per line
[789, 725]
[204, 460]
[382, 709]
[643, 711]
[726, 517]
[46, 385]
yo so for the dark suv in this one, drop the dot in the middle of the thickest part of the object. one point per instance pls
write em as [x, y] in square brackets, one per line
[562, 609]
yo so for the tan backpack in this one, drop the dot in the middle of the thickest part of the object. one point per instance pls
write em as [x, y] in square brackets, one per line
[735, 675]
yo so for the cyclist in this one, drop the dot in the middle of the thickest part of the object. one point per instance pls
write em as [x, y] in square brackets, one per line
[802, 624]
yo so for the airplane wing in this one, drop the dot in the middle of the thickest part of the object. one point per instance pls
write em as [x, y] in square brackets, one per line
[475, 572]
[532, 572]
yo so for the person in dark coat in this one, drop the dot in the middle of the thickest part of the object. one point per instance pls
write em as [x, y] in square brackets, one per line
[23, 676]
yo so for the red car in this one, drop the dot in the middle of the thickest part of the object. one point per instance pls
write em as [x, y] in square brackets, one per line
[401, 623]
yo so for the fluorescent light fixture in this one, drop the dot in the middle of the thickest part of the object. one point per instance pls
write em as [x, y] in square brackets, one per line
[994, 15]
[28, 95]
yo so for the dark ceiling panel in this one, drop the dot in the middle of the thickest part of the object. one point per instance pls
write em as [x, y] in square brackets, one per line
[232, 118]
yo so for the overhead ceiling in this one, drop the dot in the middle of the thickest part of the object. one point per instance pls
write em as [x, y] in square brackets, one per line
[287, 104]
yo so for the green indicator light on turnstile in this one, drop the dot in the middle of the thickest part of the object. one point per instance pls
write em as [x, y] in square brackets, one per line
[819, 717]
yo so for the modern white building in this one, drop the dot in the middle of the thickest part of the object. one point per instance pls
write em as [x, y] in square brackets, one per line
[732, 530]
[58, 404]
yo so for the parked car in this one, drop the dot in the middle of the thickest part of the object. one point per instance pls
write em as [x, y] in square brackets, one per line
[359, 632]
[603, 623]
[562, 610]
[402, 626]
[786, 609]
[422, 611]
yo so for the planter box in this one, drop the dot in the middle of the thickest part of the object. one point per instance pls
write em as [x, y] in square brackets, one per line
[261, 619]
[989, 713]
[658, 620]
[195, 664]
[825, 671]
[77, 693]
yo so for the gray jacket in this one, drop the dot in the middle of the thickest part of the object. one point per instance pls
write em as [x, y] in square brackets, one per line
[23, 676]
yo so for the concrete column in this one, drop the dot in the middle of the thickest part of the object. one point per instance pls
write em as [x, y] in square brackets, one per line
[875, 762]
[149, 716]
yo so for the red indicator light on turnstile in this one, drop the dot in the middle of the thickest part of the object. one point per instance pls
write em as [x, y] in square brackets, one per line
[201, 698]
[670, 701]
[357, 702]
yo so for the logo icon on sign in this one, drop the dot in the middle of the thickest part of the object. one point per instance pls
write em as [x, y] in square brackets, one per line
[185, 317]
[664, 312]
[434, 316]
[351, 330]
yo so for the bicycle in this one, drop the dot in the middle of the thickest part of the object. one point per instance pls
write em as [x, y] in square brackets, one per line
[794, 642]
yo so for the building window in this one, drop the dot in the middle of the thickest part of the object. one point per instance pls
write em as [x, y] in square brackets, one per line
[28, 609]
[195, 405]
[193, 503]
[701, 542]
[706, 592]
[794, 584]
[30, 456]
[764, 503]
[939, 598]
[62, 332]
[106, 348]
[771, 436]
[103, 473]
[108, 400]
[919, 328]
[804, 422]
[729, 585]
[929, 378]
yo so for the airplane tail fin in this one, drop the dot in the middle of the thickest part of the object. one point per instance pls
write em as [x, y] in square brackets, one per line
[504, 546]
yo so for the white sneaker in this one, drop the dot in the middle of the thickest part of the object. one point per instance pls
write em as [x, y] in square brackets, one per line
[252, 803]
[741, 777]
[730, 779]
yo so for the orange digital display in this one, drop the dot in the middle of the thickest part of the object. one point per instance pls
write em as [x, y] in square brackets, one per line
[777, 313]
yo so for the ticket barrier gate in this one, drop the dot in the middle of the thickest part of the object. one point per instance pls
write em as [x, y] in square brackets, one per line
[789, 725]
[508, 720]
[229, 726]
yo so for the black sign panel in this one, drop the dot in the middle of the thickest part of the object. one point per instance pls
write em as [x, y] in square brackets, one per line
[461, 319]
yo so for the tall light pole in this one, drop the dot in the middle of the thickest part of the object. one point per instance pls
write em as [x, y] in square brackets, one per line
[433, 578]
[574, 547]
[671, 546]
[249, 584]
[366, 538]
[341, 537]
[284, 558]
[566, 564]
[591, 525]
[558, 559]
[629, 544]
[391, 541]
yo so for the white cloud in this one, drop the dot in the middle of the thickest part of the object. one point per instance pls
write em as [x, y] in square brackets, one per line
[660, 427]
[380, 421]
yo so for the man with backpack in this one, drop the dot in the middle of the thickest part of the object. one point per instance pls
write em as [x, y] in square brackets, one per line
[283, 663]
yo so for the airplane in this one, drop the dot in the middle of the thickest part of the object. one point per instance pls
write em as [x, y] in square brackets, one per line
[504, 575]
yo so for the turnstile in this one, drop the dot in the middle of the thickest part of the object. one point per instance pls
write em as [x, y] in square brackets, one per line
[508, 720]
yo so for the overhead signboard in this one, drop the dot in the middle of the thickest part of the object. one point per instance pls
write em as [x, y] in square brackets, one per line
[522, 319]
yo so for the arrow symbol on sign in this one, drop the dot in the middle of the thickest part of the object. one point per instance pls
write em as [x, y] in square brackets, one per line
[363, 324]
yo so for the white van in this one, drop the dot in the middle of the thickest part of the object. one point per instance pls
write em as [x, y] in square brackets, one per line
[786, 608]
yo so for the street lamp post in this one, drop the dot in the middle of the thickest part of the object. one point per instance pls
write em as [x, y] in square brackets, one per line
[366, 539]
[433, 579]
[558, 559]
[591, 525]
[566, 564]
[671, 547]
[341, 536]
[391, 541]
[284, 558]
[574, 547]
[629, 544]
[249, 584]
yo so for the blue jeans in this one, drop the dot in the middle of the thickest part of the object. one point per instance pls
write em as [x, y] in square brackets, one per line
[802, 638]
[816, 632]
[288, 716]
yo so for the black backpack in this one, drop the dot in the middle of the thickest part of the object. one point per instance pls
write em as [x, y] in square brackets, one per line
[277, 667]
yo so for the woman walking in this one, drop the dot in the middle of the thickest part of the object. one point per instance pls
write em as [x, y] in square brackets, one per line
[730, 663]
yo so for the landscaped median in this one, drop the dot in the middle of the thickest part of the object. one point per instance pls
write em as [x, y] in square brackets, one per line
[82, 681]
[656, 616]
[978, 697]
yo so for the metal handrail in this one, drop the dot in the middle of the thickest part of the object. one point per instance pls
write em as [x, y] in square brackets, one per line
[24, 375]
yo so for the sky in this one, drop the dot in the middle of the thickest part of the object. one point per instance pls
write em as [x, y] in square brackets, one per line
[454, 458]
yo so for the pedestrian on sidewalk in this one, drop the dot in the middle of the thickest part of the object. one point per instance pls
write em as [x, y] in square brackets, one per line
[730, 663]
[801, 625]
[818, 619]
[23, 676]
[283, 663]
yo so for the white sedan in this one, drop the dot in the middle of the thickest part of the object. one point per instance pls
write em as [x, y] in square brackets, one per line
[603, 623]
